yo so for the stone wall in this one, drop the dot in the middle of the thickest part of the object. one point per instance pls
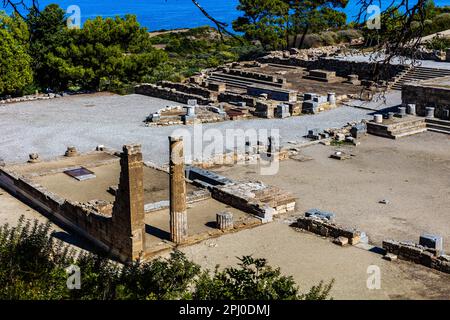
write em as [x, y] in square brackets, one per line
[230, 97]
[342, 68]
[273, 93]
[254, 75]
[190, 89]
[326, 228]
[418, 254]
[425, 95]
[170, 94]
[120, 233]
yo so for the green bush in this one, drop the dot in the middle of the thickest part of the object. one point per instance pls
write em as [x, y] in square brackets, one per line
[348, 35]
[33, 266]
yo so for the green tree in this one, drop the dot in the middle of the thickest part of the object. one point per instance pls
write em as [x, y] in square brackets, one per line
[106, 52]
[254, 279]
[48, 31]
[263, 20]
[33, 266]
[314, 16]
[15, 63]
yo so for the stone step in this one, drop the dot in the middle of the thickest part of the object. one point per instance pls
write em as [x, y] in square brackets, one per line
[409, 133]
[438, 121]
[249, 81]
[409, 124]
[406, 129]
[439, 131]
[234, 83]
[438, 127]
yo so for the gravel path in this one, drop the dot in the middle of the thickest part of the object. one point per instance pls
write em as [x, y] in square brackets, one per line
[381, 102]
[49, 126]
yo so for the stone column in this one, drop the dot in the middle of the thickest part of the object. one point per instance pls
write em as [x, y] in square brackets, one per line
[178, 209]
[224, 221]
[71, 152]
[378, 118]
[402, 112]
[391, 115]
[412, 109]
[128, 225]
[332, 98]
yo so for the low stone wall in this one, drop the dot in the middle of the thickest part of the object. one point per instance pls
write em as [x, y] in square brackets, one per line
[343, 68]
[273, 93]
[170, 94]
[427, 95]
[6, 100]
[89, 223]
[254, 75]
[190, 89]
[326, 228]
[265, 109]
[418, 254]
[229, 97]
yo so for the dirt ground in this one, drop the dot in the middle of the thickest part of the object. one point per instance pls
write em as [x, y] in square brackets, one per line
[307, 257]
[311, 259]
[412, 173]
[156, 184]
[11, 209]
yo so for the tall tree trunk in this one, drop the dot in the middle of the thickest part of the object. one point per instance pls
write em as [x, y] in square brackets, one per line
[304, 36]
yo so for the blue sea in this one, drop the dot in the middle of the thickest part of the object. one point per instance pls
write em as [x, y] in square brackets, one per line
[171, 14]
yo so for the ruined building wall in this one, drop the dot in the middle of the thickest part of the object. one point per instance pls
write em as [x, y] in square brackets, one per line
[122, 234]
[170, 94]
[235, 97]
[342, 68]
[190, 89]
[128, 227]
[426, 96]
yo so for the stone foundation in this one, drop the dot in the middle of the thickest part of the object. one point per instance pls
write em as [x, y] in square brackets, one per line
[432, 93]
[325, 228]
[170, 94]
[418, 254]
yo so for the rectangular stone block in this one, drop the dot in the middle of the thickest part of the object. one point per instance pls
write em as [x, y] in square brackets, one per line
[320, 214]
[431, 241]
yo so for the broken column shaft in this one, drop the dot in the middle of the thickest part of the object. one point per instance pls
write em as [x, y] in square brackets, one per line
[178, 211]
[128, 211]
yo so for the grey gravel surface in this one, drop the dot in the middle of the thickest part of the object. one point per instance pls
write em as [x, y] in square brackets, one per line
[85, 121]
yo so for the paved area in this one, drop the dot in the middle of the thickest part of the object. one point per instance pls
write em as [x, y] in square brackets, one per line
[48, 127]
[371, 58]
[381, 102]
[310, 259]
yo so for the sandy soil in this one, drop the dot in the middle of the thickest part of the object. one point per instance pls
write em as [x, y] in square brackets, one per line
[11, 209]
[310, 259]
[156, 184]
[412, 173]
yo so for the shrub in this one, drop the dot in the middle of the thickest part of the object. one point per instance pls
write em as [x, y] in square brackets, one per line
[33, 266]
[348, 35]
[329, 38]
[312, 40]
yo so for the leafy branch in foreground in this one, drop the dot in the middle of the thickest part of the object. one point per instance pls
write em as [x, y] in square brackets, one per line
[254, 279]
[33, 266]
